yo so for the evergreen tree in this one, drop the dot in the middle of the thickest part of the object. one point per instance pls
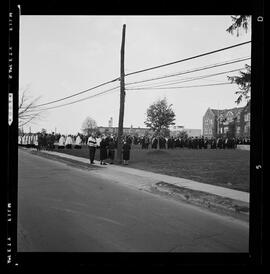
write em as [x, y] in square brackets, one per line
[244, 80]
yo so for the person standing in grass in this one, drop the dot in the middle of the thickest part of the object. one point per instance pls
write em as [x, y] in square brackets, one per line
[91, 142]
[61, 142]
[111, 147]
[68, 142]
[78, 142]
[103, 150]
[126, 152]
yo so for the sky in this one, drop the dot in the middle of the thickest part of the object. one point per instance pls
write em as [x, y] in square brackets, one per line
[63, 55]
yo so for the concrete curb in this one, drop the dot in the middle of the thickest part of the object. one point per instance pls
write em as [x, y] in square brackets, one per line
[179, 182]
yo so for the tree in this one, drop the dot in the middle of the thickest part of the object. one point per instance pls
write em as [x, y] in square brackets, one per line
[239, 22]
[159, 117]
[28, 110]
[244, 83]
[244, 80]
[164, 132]
[182, 134]
[89, 125]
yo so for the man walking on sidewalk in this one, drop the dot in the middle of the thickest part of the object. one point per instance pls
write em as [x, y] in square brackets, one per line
[92, 147]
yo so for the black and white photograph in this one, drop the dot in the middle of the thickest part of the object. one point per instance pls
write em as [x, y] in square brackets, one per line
[134, 133]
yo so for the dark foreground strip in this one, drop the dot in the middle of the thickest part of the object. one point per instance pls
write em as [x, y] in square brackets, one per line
[69, 162]
[212, 202]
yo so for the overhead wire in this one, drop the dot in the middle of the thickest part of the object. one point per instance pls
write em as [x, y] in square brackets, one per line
[140, 87]
[78, 93]
[131, 73]
[80, 100]
[187, 79]
[192, 70]
[189, 58]
[193, 86]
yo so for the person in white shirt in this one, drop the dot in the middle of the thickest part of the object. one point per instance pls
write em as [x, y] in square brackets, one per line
[98, 140]
[92, 143]
[78, 142]
[61, 143]
[68, 142]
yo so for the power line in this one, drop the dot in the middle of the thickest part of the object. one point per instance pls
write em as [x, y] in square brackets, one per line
[194, 86]
[83, 99]
[140, 87]
[189, 79]
[186, 59]
[76, 94]
[193, 70]
[135, 72]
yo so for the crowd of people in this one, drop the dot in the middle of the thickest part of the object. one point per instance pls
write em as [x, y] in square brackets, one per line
[107, 143]
[189, 142]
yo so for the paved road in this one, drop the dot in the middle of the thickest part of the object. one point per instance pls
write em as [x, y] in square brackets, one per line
[67, 209]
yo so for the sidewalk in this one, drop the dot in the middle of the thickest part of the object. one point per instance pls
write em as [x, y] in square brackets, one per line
[143, 178]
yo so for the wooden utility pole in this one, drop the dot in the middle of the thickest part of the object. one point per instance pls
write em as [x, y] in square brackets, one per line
[122, 98]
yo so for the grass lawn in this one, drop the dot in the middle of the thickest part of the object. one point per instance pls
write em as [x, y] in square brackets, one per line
[227, 168]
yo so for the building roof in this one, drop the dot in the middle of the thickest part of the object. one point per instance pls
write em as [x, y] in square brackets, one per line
[224, 112]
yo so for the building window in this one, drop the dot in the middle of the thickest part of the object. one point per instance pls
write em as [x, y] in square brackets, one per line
[247, 117]
[226, 129]
[238, 130]
[230, 117]
[210, 131]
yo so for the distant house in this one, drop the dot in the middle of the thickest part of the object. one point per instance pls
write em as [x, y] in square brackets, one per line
[175, 130]
[209, 123]
[126, 130]
[192, 132]
[234, 122]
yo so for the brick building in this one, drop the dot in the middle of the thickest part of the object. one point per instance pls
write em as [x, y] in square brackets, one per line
[234, 122]
[245, 121]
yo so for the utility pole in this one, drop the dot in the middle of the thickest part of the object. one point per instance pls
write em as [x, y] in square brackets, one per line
[122, 98]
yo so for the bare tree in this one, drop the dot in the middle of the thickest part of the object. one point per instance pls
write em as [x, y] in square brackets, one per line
[28, 110]
[89, 125]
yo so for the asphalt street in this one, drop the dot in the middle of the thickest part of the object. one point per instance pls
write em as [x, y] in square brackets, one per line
[62, 208]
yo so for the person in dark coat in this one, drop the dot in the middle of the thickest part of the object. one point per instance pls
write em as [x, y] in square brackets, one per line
[52, 141]
[126, 152]
[147, 142]
[111, 147]
[143, 142]
[219, 143]
[103, 150]
[39, 141]
[169, 143]
[201, 142]
[177, 143]
[44, 141]
[154, 143]
[205, 143]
